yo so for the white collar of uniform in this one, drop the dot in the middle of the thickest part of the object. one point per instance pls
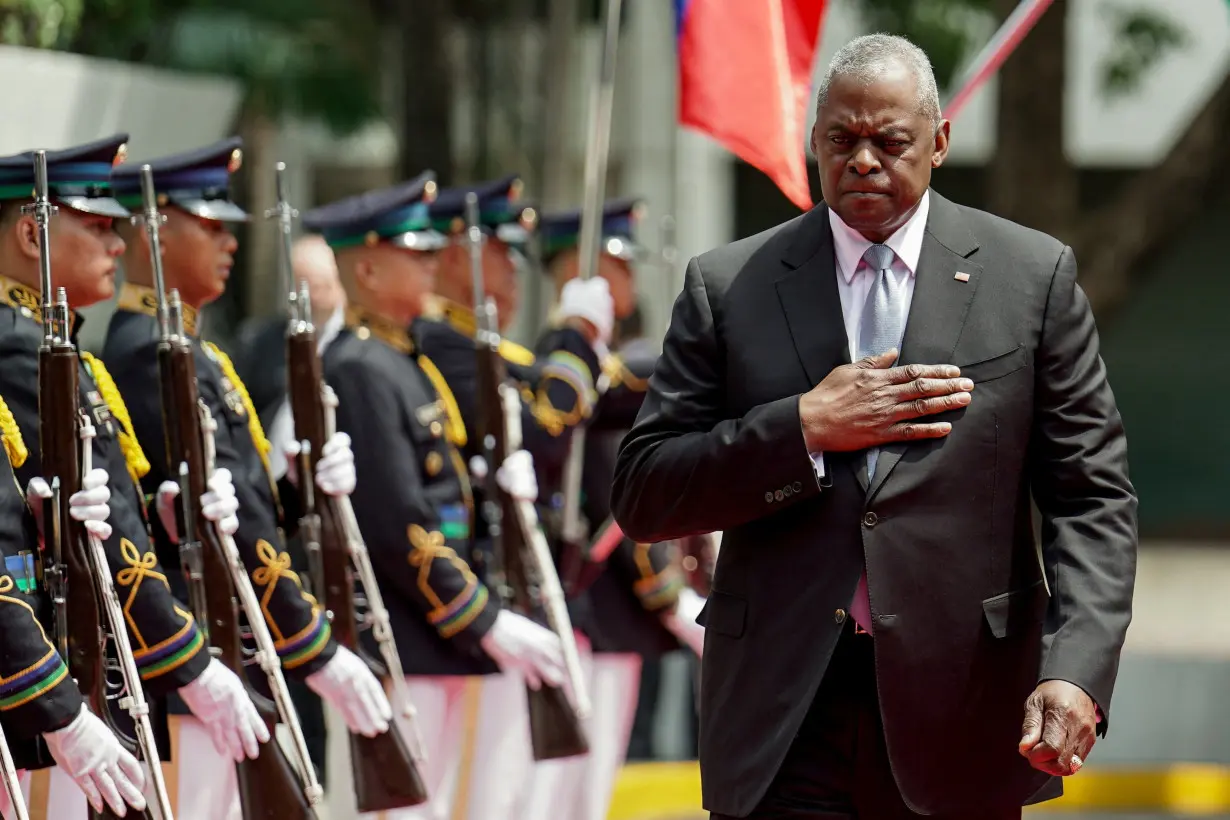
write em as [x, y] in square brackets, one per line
[850, 245]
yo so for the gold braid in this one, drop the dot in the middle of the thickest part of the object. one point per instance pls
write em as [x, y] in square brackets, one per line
[134, 456]
[14, 444]
[263, 445]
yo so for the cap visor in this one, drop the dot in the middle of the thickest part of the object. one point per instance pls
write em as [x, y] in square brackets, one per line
[99, 206]
[425, 241]
[220, 210]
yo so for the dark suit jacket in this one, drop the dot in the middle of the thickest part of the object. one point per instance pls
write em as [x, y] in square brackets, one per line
[964, 627]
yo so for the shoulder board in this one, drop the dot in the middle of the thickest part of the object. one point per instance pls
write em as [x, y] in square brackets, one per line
[515, 353]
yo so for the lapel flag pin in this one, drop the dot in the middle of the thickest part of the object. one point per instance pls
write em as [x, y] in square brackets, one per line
[961, 277]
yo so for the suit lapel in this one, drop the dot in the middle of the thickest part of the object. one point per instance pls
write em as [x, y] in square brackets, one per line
[812, 305]
[939, 307]
[810, 300]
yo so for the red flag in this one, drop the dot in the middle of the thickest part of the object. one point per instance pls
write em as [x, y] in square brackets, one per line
[745, 78]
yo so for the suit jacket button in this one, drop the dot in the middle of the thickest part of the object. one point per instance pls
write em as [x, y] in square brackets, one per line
[870, 519]
[768, 497]
[778, 495]
[798, 486]
[786, 491]
[839, 616]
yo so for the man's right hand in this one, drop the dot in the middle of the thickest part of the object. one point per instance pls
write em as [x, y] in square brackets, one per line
[870, 403]
[88, 752]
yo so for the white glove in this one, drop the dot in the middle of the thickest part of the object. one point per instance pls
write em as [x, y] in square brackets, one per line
[516, 476]
[589, 300]
[349, 686]
[88, 505]
[681, 621]
[90, 753]
[335, 473]
[217, 699]
[516, 642]
[218, 504]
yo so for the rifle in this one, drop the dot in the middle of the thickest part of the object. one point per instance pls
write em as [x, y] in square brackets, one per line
[524, 557]
[269, 787]
[12, 786]
[384, 770]
[574, 534]
[77, 563]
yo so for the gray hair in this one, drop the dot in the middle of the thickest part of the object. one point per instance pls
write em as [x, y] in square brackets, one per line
[866, 58]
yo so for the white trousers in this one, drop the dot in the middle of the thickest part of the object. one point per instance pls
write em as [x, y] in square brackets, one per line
[579, 788]
[201, 783]
[476, 732]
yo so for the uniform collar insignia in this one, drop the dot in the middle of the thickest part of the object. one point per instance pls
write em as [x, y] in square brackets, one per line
[364, 323]
[144, 300]
[28, 302]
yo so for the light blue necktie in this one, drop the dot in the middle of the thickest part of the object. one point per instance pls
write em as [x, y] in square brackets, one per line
[883, 321]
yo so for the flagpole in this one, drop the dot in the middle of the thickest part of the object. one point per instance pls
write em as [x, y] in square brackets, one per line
[596, 154]
[993, 54]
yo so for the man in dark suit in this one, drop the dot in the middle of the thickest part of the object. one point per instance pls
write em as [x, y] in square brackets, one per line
[883, 638]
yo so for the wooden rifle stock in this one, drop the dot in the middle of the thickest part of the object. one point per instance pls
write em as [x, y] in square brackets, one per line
[60, 463]
[384, 772]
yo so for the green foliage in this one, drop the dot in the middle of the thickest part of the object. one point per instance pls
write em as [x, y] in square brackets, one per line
[38, 23]
[314, 58]
[1144, 39]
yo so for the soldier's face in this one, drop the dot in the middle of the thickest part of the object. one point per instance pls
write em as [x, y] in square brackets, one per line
[399, 279]
[84, 250]
[197, 256]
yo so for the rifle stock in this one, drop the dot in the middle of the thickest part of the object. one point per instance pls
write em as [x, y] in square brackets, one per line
[383, 768]
[525, 560]
[65, 437]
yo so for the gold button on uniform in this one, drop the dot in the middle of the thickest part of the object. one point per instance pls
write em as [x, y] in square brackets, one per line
[437, 429]
[434, 464]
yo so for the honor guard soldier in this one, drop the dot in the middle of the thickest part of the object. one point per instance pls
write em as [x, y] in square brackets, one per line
[38, 698]
[197, 253]
[168, 647]
[466, 658]
[558, 380]
[631, 601]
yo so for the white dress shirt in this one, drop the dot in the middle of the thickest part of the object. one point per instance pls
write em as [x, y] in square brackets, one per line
[855, 278]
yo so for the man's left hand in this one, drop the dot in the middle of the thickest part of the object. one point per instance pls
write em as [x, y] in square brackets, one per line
[1058, 732]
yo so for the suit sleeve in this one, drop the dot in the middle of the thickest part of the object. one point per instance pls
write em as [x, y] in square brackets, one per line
[167, 645]
[687, 466]
[1079, 477]
[403, 529]
[300, 630]
[36, 693]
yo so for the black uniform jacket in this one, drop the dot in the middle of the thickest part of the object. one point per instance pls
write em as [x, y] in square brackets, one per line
[298, 625]
[413, 499]
[167, 646]
[36, 693]
[558, 385]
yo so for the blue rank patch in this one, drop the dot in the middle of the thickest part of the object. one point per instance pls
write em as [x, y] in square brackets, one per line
[20, 568]
[455, 522]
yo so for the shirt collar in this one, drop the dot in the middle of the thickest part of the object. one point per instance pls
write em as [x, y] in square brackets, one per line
[849, 245]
